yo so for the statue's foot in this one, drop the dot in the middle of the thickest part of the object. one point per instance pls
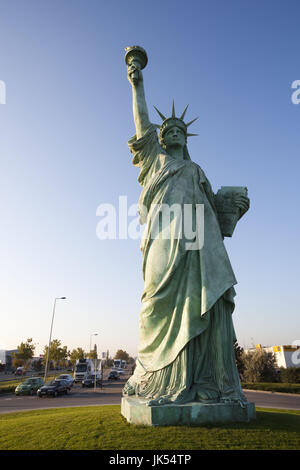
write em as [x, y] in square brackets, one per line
[129, 389]
[207, 396]
[233, 395]
[241, 400]
[159, 401]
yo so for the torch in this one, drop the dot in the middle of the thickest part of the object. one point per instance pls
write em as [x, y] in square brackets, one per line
[136, 55]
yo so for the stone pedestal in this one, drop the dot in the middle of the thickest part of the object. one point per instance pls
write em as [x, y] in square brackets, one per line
[136, 411]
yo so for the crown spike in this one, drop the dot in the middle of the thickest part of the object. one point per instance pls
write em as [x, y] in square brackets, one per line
[191, 135]
[191, 122]
[183, 114]
[173, 110]
[161, 115]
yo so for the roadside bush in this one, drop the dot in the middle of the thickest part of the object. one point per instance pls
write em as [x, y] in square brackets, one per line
[290, 375]
[259, 366]
[239, 354]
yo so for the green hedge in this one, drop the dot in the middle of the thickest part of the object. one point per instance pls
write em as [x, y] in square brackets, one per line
[7, 389]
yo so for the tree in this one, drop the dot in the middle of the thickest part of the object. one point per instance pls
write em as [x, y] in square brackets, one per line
[17, 362]
[76, 354]
[57, 353]
[238, 351]
[93, 354]
[259, 366]
[123, 355]
[109, 362]
[25, 354]
[37, 364]
[290, 375]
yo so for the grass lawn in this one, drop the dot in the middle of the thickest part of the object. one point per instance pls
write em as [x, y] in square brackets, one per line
[103, 427]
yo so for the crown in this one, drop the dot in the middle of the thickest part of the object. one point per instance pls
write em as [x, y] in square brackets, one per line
[174, 121]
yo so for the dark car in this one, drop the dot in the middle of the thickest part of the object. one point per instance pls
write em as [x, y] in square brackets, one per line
[114, 375]
[53, 388]
[89, 381]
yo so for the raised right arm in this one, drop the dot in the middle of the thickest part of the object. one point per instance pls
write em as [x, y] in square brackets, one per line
[140, 110]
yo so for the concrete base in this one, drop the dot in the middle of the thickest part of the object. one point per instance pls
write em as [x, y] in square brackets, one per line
[136, 411]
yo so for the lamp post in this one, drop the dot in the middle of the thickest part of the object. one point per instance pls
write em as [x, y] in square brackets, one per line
[47, 360]
[95, 378]
[93, 334]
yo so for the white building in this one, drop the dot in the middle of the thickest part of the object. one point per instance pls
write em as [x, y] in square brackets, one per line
[285, 355]
[2, 356]
[6, 357]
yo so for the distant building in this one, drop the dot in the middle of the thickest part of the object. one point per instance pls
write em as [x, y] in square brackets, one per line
[285, 355]
[2, 356]
[6, 357]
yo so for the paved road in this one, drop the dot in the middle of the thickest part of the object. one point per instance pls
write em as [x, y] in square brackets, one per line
[286, 401]
[110, 394]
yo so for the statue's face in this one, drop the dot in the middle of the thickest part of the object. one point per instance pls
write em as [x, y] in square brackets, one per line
[174, 137]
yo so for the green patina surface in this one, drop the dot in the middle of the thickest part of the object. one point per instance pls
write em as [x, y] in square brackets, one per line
[186, 331]
[136, 411]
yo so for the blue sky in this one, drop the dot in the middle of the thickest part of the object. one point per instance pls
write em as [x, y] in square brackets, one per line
[63, 148]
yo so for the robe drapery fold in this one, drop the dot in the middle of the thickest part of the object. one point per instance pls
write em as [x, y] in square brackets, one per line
[204, 370]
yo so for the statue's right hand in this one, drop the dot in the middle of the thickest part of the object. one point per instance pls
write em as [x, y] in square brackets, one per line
[134, 74]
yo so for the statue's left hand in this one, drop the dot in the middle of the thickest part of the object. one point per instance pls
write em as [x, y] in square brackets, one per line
[242, 202]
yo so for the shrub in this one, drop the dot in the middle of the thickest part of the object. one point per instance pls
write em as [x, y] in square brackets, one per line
[260, 366]
[239, 354]
[290, 375]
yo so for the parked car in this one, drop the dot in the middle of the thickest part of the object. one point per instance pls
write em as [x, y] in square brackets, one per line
[29, 386]
[114, 375]
[120, 371]
[54, 388]
[89, 381]
[68, 378]
[20, 371]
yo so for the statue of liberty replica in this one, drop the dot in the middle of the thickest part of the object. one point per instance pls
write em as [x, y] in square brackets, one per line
[186, 358]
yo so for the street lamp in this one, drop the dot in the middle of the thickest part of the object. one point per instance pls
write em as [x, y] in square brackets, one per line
[95, 378]
[46, 367]
[93, 334]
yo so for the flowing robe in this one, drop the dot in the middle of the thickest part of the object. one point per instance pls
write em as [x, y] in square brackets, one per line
[185, 320]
